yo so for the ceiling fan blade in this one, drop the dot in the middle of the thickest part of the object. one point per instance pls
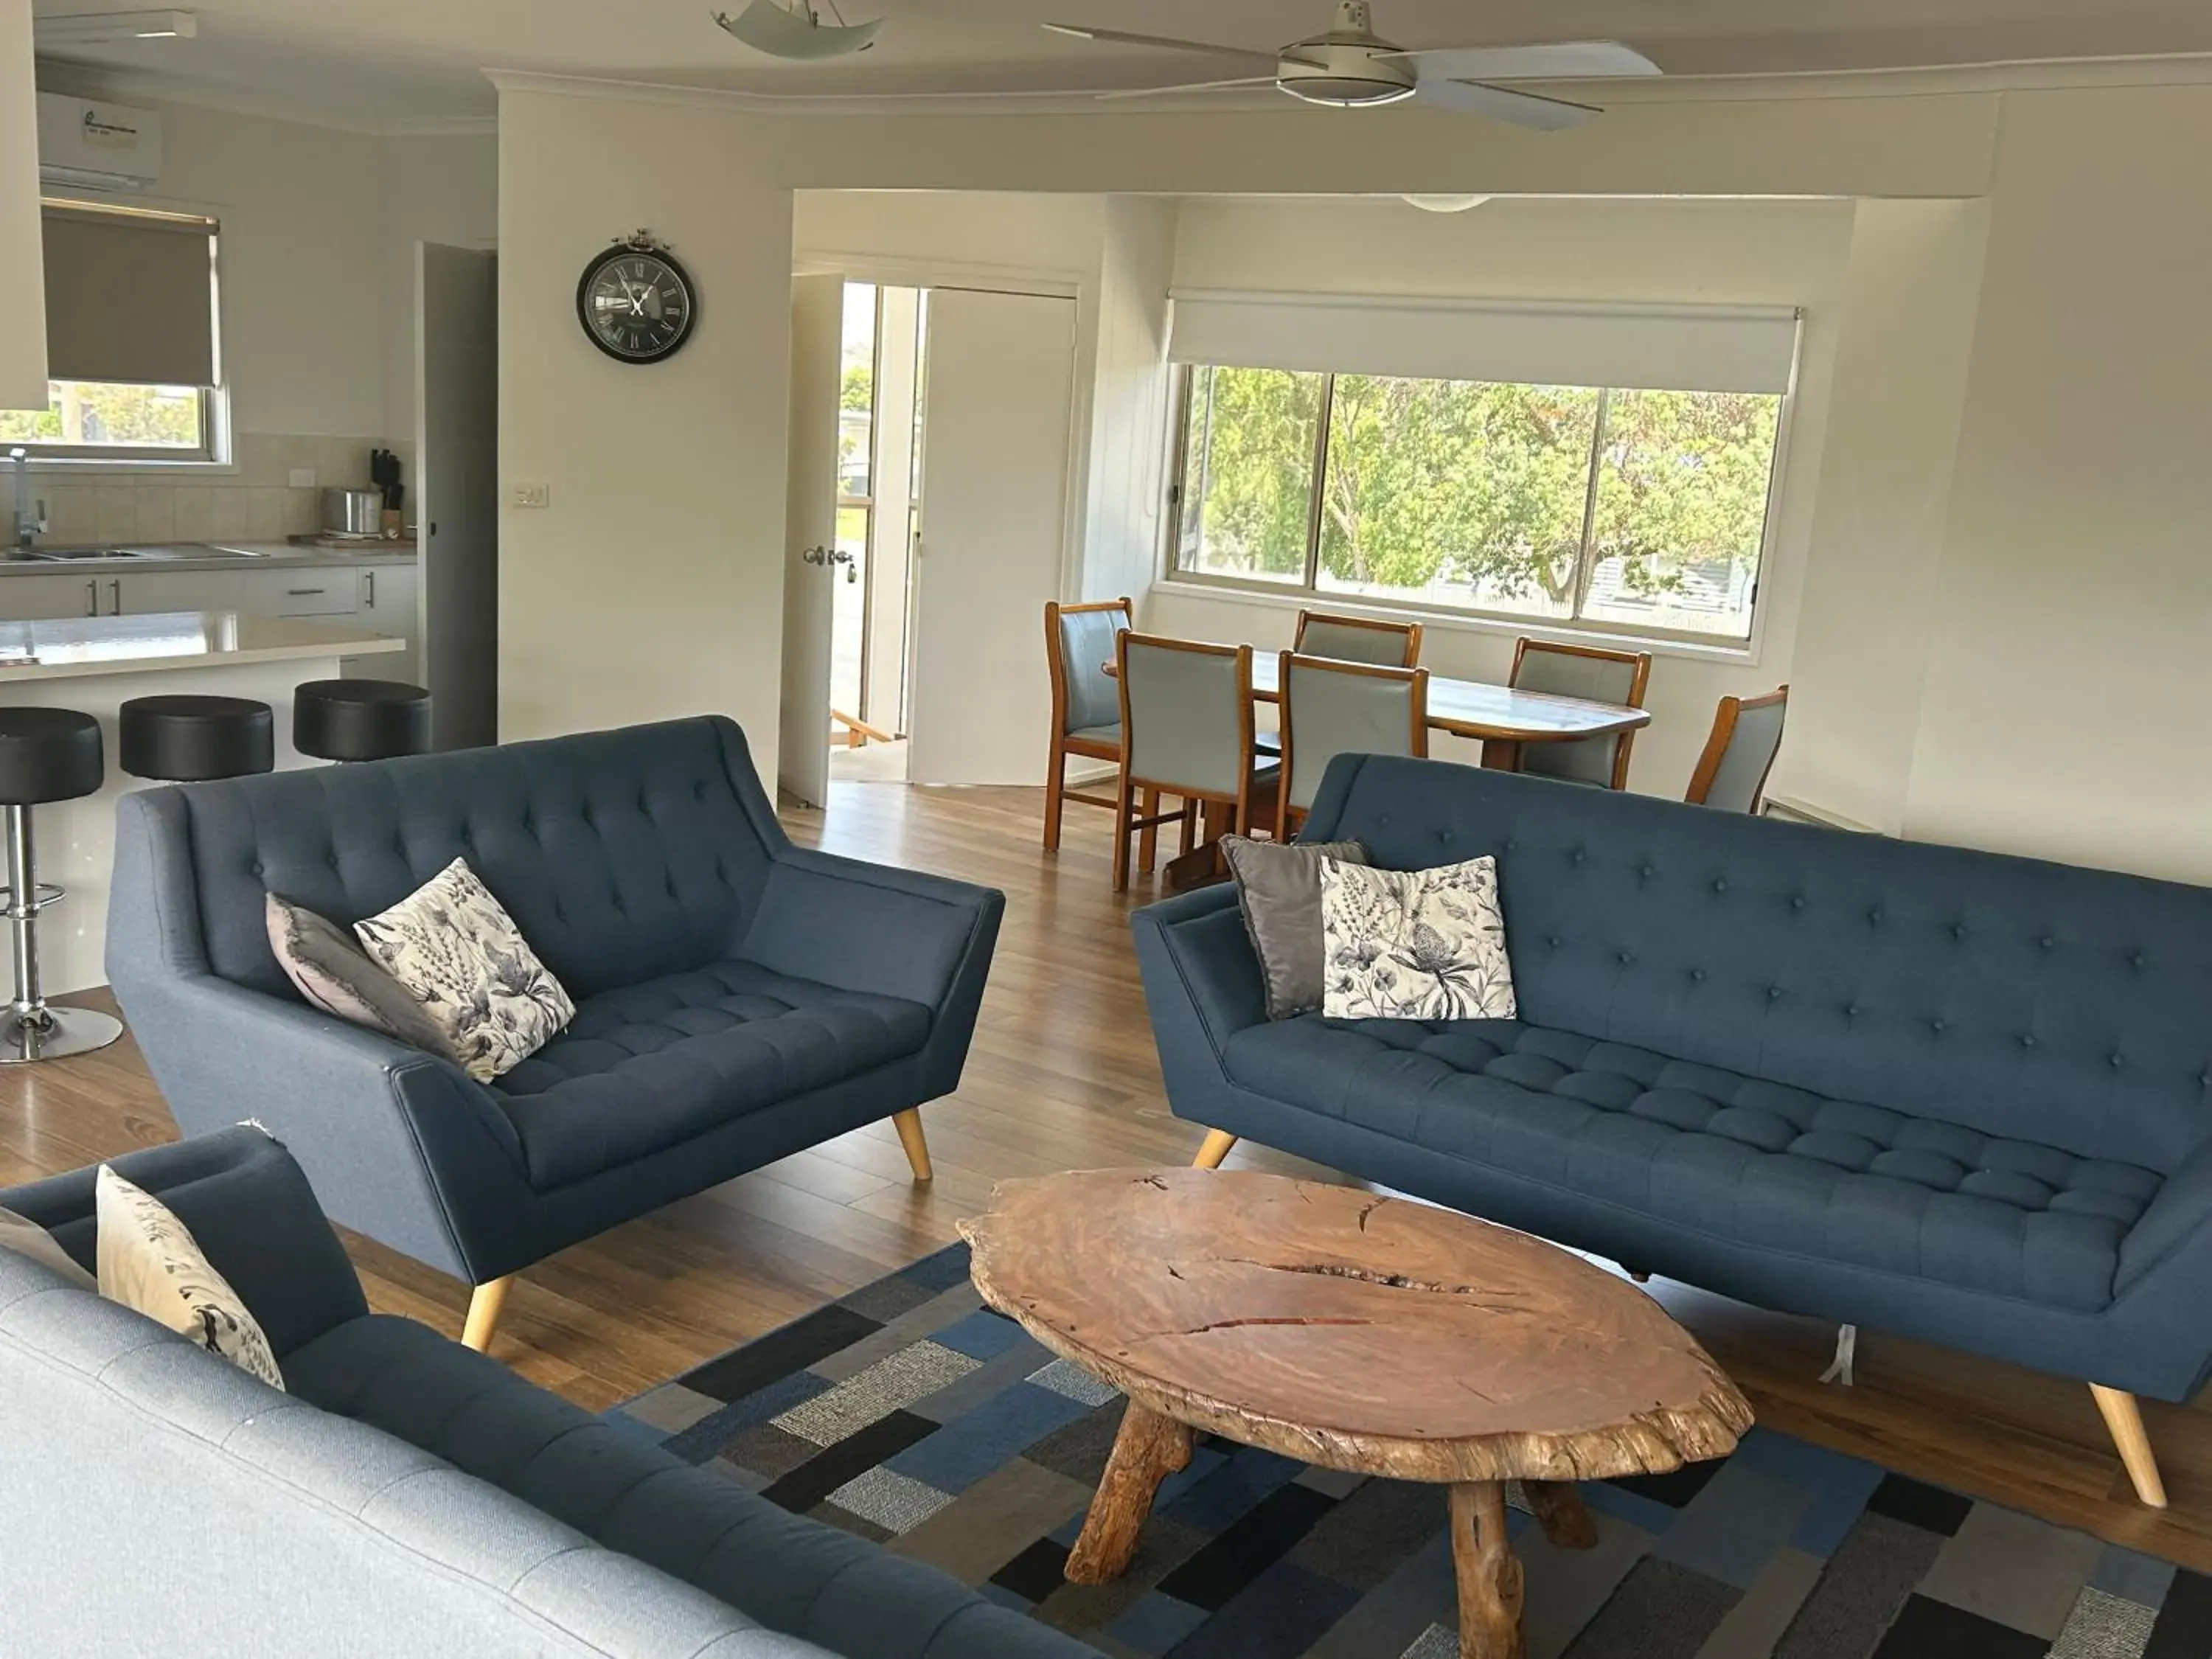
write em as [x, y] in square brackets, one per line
[1120, 37]
[1521, 109]
[1188, 86]
[1567, 60]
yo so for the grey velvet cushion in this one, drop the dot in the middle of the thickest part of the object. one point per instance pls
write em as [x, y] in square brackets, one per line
[1278, 890]
[337, 976]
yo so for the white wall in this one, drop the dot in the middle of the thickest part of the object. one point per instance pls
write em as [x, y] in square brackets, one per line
[652, 585]
[2066, 682]
[1867, 620]
[2055, 714]
[434, 190]
[319, 227]
[1789, 253]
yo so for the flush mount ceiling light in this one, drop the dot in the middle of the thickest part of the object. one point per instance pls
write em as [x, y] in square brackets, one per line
[95, 27]
[797, 32]
[1443, 203]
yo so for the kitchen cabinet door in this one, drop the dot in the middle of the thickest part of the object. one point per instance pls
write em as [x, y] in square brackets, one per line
[143, 592]
[388, 598]
[28, 598]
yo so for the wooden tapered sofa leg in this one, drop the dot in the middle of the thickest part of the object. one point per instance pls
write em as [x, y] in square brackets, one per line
[1217, 1143]
[909, 1125]
[2123, 1418]
[486, 1303]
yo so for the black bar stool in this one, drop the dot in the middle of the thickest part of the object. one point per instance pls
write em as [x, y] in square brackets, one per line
[189, 739]
[359, 719]
[46, 755]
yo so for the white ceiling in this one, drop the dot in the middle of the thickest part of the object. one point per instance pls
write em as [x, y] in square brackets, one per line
[397, 60]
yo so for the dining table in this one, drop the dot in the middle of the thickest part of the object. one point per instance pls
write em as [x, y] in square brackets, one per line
[1504, 720]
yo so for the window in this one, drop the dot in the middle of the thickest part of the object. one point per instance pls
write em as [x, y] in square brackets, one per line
[130, 338]
[1639, 510]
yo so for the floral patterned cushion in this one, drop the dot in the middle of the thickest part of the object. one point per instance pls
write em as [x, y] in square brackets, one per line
[150, 1263]
[453, 946]
[1414, 943]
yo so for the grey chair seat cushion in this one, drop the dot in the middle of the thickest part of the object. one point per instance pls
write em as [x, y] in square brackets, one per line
[1107, 734]
[650, 1065]
[789, 1573]
[1735, 1158]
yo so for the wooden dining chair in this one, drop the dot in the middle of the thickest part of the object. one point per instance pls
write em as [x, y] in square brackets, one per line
[1747, 736]
[1086, 707]
[1358, 639]
[1187, 722]
[1331, 707]
[1581, 671]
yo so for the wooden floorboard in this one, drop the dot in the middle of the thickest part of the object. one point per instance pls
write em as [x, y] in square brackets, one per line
[1063, 1075]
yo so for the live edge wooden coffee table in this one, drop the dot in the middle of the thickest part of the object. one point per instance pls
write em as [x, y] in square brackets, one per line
[1360, 1332]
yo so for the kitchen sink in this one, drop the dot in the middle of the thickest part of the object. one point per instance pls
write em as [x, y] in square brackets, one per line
[155, 552]
[52, 553]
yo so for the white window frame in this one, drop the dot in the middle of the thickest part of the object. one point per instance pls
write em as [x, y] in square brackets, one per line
[1305, 591]
[213, 449]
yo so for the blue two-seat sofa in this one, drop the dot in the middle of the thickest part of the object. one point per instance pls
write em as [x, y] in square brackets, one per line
[403, 1497]
[1943, 1092]
[738, 998]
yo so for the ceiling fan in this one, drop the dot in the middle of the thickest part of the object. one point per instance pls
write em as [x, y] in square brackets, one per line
[1351, 66]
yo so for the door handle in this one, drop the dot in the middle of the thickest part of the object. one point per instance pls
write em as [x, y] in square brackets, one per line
[816, 555]
[372, 589]
[92, 599]
[115, 596]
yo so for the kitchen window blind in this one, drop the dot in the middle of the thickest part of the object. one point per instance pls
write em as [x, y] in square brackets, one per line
[130, 296]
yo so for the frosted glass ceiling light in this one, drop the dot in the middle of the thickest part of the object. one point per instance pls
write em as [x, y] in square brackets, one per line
[766, 27]
[1443, 203]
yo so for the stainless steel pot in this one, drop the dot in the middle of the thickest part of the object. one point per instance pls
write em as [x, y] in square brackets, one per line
[353, 512]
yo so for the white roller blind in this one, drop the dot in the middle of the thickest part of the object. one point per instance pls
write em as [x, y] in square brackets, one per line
[129, 297]
[1677, 348]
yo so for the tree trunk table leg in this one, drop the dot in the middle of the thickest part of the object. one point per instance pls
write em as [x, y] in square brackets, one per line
[1489, 1576]
[1559, 1510]
[1148, 1449]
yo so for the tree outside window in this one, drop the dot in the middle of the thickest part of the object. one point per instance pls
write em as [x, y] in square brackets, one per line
[1639, 508]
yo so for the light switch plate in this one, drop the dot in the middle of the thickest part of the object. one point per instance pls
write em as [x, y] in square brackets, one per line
[532, 495]
[302, 478]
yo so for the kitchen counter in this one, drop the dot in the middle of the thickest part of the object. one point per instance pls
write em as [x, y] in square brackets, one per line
[220, 555]
[62, 648]
[96, 665]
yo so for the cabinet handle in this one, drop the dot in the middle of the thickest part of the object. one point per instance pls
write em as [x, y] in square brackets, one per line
[304, 593]
[372, 589]
[92, 599]
[115, 596]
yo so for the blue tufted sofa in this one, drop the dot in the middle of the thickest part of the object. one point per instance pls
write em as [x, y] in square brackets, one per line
[737, 998]
[1934, 1091]
[403, 1497]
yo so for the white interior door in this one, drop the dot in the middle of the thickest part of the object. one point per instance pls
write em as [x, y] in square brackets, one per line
[1000, 402]
[456, 485]
[817, 314]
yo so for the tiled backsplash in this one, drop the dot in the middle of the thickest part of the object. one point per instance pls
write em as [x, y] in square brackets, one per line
[252, 501]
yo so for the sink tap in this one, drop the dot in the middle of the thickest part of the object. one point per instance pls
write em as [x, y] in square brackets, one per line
[30, 515]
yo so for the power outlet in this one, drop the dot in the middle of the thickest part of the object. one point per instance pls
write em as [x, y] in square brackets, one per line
[302, 478]
[532, 495]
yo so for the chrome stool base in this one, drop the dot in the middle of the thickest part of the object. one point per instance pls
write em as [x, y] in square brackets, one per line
[52, 1033]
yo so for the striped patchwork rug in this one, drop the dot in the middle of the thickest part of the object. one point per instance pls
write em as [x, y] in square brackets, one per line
[909, 1414]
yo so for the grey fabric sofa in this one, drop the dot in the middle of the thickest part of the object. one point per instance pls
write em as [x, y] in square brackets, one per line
[405, 1497]
[1933, 1091]
[737, 998]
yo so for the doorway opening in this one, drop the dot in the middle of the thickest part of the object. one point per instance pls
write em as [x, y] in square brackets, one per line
[879, 436]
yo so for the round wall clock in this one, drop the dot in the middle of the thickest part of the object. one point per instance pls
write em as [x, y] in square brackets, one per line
[635, 302]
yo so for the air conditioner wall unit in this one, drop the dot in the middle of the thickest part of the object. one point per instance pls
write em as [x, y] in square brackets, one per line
[90, 146]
